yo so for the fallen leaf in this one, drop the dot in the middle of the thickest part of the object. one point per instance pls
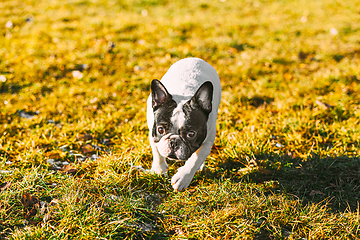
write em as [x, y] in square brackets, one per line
[54, 168]
[4, 186]
[88, 149]
[106, 141]
[84, 137]
[56, 154]
[29, 201]
[303, 55]
[32, 212]
[316, 192]
[323, 105]
[31, 204]
[69, 170]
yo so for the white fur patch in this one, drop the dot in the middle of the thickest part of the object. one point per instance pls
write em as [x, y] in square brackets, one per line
[178, 117]
[163, 145]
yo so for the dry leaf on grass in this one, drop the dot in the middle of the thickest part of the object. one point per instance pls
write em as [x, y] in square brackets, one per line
[316, 192]
[69, 170]
[88, 149]
[323, 105]
[56, 154]
[29, 201]
[106, 141]
[31, 204]
[84, 137]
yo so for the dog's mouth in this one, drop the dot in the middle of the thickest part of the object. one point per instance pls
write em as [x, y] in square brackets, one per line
[174, 158]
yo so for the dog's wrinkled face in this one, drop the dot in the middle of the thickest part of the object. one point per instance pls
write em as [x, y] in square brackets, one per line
[180, 129]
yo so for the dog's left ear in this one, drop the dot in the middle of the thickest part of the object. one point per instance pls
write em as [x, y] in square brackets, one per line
[203, 97]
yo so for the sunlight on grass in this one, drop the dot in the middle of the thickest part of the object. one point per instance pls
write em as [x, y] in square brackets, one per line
[74, 79]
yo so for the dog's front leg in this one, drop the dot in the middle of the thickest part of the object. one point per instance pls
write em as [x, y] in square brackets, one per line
[159, 165]
[185, 174]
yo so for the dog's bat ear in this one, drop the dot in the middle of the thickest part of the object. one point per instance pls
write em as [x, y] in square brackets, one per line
[159, 93]
[203, 97]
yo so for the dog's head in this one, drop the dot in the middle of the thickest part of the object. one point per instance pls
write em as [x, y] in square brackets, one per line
[180, 128]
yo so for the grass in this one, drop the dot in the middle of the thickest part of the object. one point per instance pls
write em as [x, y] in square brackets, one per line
[74, 78]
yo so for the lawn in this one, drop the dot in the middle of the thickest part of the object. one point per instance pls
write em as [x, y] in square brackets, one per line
[74, 78]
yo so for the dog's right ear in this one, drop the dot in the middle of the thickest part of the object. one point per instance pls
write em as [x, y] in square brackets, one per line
[159, 93]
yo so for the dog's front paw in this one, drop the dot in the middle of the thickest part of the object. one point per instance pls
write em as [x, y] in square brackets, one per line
[160, 169]
[181, 179]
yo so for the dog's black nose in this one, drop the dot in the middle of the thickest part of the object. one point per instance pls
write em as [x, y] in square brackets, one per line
[174, 143]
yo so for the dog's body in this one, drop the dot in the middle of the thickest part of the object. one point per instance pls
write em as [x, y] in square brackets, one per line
[181, 115]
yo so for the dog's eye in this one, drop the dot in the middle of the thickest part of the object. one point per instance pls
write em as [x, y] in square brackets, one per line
[191, 134]
[161, 130]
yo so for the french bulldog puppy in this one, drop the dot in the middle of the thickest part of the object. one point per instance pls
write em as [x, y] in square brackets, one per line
[181, 115]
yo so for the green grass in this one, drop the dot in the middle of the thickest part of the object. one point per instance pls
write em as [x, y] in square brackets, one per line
[74, 80]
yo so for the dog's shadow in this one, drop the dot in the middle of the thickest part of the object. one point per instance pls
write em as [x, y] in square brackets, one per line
[334, 180]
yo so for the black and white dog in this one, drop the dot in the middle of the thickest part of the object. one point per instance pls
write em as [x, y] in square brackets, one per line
[181, 115]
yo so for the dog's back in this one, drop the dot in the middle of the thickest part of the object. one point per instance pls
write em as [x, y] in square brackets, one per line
[185, 76]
